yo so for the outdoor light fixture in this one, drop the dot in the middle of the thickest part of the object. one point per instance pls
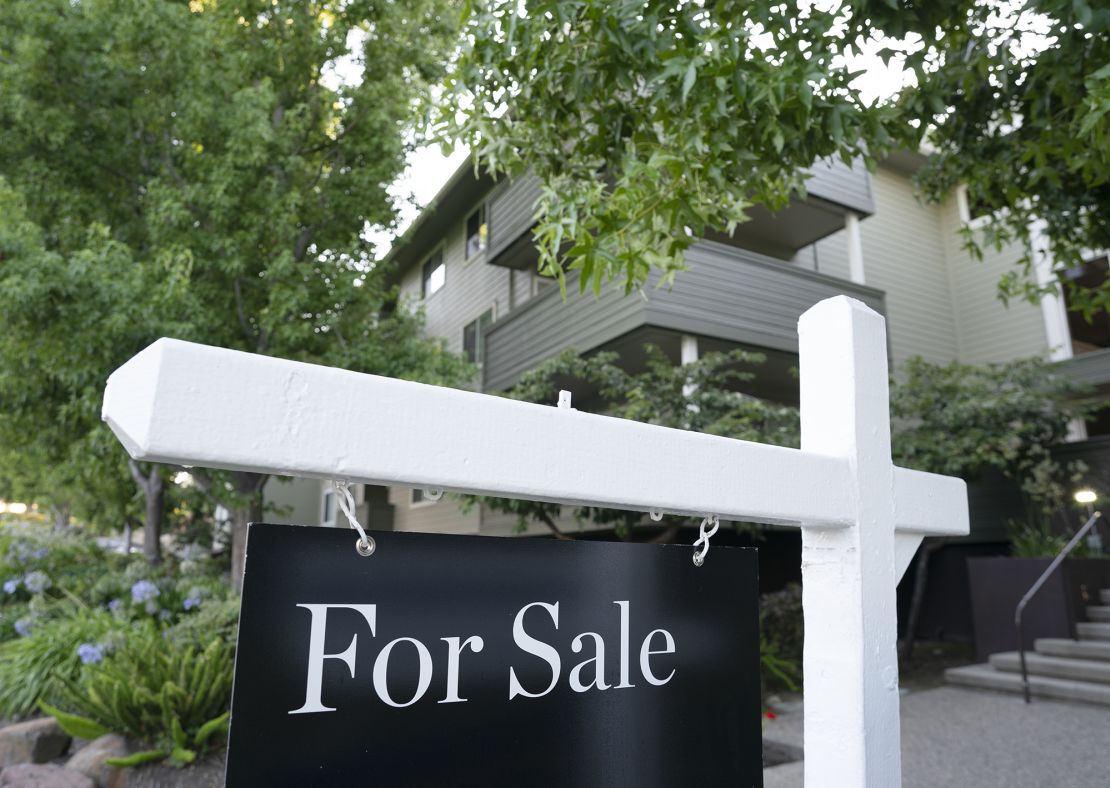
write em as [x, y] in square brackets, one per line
[1085, 496]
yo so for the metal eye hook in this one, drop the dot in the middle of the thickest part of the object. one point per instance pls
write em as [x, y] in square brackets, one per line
[656, 515]
[432, 493]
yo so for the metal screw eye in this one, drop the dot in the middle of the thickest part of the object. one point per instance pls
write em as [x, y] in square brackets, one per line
[366, 547]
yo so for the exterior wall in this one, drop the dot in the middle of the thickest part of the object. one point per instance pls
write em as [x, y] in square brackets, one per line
[297, 501]
[988, 330]
[940, 303]
[441, 517]
[511, 209]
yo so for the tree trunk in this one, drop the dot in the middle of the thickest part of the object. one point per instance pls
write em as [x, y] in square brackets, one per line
[127, 531]
[241, 516]
[61, 517]
[152, 520]
[154, 489]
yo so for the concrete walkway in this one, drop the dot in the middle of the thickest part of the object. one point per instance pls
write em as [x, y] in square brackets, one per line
[963, 737]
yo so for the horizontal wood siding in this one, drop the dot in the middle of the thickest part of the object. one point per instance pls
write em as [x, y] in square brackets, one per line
[546, 325]
[836, 182]
[441, 517]
[727, 293]
[511, 209]
[904, 256]
[988, 330]
[471, 287]
[740, 296]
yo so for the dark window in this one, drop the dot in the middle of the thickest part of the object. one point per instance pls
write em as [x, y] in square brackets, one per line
[1092, 334]
[474, 337]
[476, 231]
[435, 273]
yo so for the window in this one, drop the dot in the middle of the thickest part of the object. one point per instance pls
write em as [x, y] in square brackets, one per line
[476, 232]
[328, 517]
[474, 337]
[435, 273]
[1091, 334]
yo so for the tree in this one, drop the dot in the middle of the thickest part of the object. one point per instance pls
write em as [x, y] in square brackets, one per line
[651, 123]
[197, 160]
[1013, 98]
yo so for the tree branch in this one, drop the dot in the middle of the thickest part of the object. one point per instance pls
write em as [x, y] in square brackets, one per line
[137, 475]
[545, 518]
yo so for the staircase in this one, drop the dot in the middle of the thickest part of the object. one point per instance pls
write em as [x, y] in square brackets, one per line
[1060, 669]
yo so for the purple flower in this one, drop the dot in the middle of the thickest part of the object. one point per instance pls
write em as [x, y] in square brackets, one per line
[37, 582]
[23, 627]
[144, 591]
[90, 653]
[115, 605]
[40, 554]
[10, 586]
[193, 600]
[164, 615]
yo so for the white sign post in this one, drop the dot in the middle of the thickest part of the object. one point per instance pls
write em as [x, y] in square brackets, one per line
[861, 517]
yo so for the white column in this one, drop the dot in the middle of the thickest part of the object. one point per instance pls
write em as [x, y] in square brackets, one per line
[848, 574]
[689, 355]
[1053, 309]
[855, 248]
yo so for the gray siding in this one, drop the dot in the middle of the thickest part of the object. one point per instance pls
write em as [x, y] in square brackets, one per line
[472, 286]
[727, 293]
[836, 182]
[511, 208]
[441, 517]
[1091, 368]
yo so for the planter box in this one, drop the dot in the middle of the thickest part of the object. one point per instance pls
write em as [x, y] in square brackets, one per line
[998, 584]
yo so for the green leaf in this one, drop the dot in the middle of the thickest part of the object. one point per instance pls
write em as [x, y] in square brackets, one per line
[689, 79]
[218, 725]
[137, 758]
[76, 726]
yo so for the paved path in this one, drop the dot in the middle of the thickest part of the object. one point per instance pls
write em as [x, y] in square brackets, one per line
[955, 737]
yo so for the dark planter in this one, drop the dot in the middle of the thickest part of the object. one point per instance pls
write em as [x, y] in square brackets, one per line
[999, 583]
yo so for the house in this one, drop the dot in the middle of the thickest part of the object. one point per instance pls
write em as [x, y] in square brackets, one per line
[469, 261]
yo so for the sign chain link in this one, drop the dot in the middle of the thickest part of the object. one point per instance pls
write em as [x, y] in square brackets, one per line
[703, 537]
[365, 544]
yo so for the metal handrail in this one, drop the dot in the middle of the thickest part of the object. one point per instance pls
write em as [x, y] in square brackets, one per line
[1037, 587]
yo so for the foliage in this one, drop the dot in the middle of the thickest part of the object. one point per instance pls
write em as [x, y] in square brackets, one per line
[960, 419]
[650, 125]
[1039, 536]
[193, 170]
[781, 638]
[33, 667]
[169, 693]
[701, 396]
[1013, 100]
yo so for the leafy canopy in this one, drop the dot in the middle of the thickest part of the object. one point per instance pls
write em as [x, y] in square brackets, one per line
[191, 169]
[651, 124]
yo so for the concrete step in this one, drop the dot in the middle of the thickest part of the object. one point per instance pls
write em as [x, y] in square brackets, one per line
[1056, 667]
[1093, 631]
[1104, 595]
[1077, 649]
[986, 677]
[1098, 613]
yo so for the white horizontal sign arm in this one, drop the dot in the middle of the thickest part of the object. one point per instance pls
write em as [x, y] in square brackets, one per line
[188, 404]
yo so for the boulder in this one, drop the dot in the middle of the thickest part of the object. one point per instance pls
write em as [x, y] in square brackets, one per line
[34, 741]
[90, 761]
[43, 775]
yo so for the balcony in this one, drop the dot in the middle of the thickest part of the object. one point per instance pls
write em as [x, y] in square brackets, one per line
[729, 297]
[833, 190]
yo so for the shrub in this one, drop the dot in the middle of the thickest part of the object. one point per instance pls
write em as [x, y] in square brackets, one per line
[33, 667]
[170, 693]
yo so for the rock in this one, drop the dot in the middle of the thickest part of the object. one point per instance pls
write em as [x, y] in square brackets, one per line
[89, 760]
[34, 741]
[44, 775]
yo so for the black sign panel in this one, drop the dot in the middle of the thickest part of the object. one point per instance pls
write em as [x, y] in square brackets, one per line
[481, 661]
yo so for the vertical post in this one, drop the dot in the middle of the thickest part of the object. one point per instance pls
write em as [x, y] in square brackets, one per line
[850, 663]
[689, 354]
[855, 248]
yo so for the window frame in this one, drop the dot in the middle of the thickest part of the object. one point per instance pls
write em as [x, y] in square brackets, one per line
[424, 273]
[423, 502]
[482, 212]
[487, 318]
